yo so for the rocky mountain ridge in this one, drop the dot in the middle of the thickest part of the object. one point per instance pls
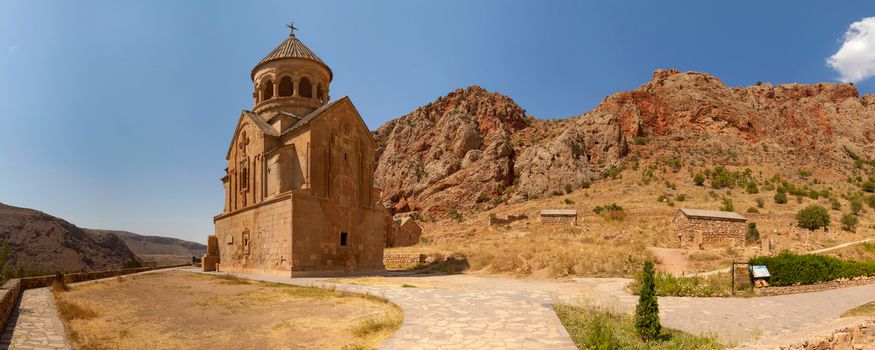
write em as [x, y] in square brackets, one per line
[474, 148]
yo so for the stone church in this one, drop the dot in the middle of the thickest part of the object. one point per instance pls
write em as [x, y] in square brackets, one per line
[299, 193]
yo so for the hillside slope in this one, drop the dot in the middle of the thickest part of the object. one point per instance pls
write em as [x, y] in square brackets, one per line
[154, 245]
[473, 149]
[43, 242]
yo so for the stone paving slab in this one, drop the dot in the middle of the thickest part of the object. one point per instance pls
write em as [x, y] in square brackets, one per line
[462, 319]
[35, 323]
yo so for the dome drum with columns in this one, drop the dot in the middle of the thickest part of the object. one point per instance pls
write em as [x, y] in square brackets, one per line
[291, 78]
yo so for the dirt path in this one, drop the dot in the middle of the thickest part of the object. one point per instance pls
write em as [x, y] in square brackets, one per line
[670, 260]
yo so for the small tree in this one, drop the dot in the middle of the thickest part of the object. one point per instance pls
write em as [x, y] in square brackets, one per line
[849, 222]
[647, 312]
[753, 235]
[813, 217]
[752, 188]
[699, 179]
[781, 197]
[727, 205]
[856, 205]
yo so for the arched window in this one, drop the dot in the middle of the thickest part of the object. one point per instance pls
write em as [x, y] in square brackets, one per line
[286, 86]
[304, 88]
[319, 93]
[267, 90]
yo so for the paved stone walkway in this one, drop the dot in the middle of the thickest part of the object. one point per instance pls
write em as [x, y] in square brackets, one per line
[441, 318]
[35, 324]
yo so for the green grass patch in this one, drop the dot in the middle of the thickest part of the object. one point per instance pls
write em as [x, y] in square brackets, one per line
[592, 328]
[718, 285]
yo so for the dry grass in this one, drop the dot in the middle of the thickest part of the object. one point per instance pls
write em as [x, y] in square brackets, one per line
[602, 246]
[867, 309]
[181, 310]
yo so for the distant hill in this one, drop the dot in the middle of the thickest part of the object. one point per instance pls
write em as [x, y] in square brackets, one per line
[145, 246]
[44, 242]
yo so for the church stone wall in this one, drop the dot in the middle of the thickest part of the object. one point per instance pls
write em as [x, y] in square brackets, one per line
[258, 239]
[318, 227]
[707, 231]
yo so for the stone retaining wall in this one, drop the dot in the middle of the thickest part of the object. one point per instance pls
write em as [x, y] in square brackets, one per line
[8, 298]
[495, 221]
[403, 258]
[559, 220]
[860, 336]
[859, 281]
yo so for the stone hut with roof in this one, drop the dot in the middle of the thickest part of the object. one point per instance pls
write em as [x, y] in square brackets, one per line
[299, 187]
[405, 233]
[559, 217]
[698, 228]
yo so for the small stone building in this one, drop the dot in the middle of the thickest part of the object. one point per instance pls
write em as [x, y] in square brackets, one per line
[559, 216]
[405, 232]
[696, 227]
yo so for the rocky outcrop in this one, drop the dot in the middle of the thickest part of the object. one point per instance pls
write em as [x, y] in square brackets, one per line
[803, 122]
[474, 148]
[589, 145]
[470, 149]
[445, 154]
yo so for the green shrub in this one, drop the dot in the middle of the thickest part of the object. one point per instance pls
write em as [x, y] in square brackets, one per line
[482, 198]
[611, 211]
[647, 311]
[681, 197]
[585, 184]
[760, 203]
[641, 141]
[727, 205]
[753, 210]
[870, 200]
[868, 186]
[753, 235]
[752, 188]
[132, 264]
[804, 173]
[781, 197]
[569, 201]
[568, 188]
[835, 204]
[699, 179]
[788, 269]
[455, 214]
[813, 217]
[849, 222]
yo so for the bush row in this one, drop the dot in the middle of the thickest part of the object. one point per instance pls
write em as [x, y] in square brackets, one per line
[788, 269]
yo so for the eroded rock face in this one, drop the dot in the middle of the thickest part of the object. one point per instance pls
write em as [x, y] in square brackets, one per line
[473, 146]
[590, 144]
[458, 152]
[444, 154]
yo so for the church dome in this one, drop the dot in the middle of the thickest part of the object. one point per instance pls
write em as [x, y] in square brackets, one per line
[291, 78]
[291, 48]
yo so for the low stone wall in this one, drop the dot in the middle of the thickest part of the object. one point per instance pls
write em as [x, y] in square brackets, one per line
[559, 220]
[10, 292]
[8, 298]
[403, 258]
[495, 221]
[860, 336]
[859, 281]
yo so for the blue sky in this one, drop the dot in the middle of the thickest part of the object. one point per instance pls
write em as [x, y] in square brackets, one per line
[117, 114]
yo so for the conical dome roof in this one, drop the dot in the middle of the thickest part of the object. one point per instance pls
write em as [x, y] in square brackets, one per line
[291, 48]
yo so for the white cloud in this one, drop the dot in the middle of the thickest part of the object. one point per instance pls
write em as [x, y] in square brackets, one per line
[855, 60]
[12, 50]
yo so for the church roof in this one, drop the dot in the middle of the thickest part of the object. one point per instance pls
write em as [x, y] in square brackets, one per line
[292, 48]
